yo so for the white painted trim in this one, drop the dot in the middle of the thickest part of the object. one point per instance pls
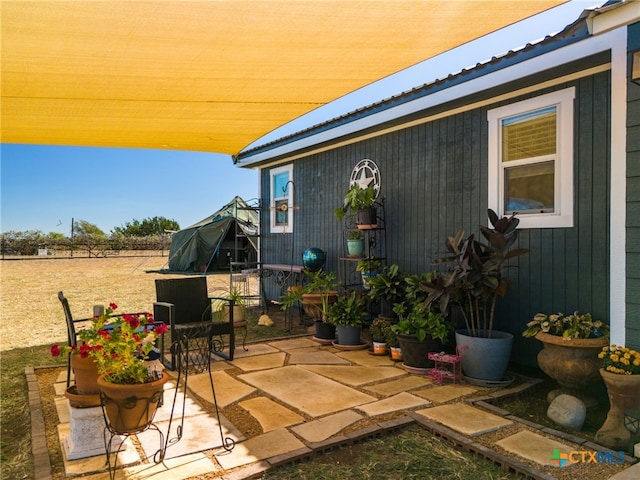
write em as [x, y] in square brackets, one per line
[563, 215]
[618, 215]
[546, 61]
[288, 228]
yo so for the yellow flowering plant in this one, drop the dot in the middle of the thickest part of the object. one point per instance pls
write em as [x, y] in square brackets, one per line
[620, 360]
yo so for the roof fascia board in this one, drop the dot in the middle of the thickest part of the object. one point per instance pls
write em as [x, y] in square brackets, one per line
[616, 16]
[584, 48]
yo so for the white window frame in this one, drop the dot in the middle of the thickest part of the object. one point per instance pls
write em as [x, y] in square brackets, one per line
[274, 196]
[562, 216]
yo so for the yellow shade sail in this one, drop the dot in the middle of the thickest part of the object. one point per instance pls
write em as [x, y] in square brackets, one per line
[211, 76]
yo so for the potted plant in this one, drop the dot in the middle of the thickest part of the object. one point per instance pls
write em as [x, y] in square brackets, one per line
[570, 345]
[130, 387]
[621, 374]
[368, 268]
[355, 244]
[316, 296]
[474, 281]
[362, 202]
[388, 287]
[394, 345]
[347, 314]
[379, 331]
[420, 331]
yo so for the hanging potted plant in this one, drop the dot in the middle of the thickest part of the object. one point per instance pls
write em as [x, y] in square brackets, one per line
[420, 331]
[347, 314]
[316, 296]
[130, 386]
[621, 374]
[473, 283]
[570, 346]
[360, 201]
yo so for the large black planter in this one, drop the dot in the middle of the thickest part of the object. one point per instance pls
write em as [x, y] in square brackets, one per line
[415, 352]
[325, 331]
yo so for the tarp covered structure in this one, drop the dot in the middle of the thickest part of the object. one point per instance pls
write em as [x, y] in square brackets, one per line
[212, 242]
[211, 76]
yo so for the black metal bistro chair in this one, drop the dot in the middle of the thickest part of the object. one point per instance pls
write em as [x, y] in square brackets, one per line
[72, 338]
[184, 305]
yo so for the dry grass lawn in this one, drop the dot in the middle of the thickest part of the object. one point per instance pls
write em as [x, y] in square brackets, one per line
[31, 314]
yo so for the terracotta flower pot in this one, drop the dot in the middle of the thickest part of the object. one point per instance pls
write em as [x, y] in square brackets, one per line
[130, 408]
[572, 363]
[85, 372]
[624, 393]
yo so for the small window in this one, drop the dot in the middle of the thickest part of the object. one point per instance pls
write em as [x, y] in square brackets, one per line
[282, 199]
[531, 160]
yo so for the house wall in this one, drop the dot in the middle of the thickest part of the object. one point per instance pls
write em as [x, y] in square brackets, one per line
[434, 181]
[633, 198]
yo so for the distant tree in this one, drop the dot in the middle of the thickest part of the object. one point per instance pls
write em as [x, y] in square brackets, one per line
[146, 227]
[84, 228]
[23, 243]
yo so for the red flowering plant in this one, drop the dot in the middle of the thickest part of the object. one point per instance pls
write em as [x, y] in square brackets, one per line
[119, 343]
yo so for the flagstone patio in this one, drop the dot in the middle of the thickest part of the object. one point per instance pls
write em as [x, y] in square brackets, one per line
[303, 395]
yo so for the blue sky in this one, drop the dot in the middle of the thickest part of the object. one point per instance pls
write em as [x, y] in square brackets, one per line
[44, 187]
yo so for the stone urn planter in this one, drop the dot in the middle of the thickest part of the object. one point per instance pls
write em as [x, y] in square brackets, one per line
[624, 394]
[573, 363]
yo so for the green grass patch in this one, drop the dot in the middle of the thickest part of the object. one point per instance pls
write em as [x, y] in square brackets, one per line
[410, 454]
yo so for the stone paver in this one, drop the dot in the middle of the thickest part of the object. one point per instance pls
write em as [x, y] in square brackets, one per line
[314, 356]
[326, 427]
[465, 418]
[228, 389]
[355, 375]
[270, 414]
[293, 343]
[260, 362]
[182, 467]
[403, 384]
[127, 456]
[270, 444]
[401, 401]
[537, 448]
[254, 349]
[199, 433]
[308, 392]
[445, 393]
[362, 357]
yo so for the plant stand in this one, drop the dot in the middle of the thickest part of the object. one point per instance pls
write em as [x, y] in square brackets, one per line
[447, 367]
[181, 349]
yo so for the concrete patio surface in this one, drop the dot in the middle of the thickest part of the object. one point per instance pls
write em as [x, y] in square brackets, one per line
[307, 397]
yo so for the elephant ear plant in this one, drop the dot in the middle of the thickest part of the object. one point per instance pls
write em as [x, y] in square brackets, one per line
[476, 275]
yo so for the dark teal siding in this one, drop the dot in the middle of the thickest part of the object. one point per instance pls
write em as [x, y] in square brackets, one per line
[633, 199]
[434, 180]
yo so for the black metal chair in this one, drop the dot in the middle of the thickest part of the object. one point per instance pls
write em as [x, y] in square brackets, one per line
[72, 339]
[184, 305]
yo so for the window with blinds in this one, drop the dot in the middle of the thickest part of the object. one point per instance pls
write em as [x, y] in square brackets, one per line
[529, 150]
[531, 160]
